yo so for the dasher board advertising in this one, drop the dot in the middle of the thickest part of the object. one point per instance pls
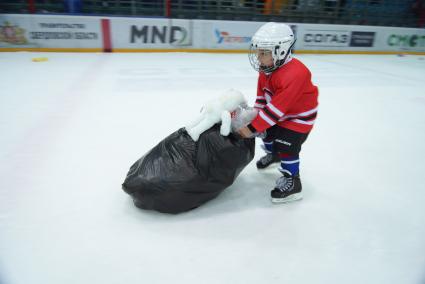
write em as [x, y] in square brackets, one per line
[45, 31]
[139, 33]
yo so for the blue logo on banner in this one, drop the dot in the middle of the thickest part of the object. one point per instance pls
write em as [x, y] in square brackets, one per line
[225, 37]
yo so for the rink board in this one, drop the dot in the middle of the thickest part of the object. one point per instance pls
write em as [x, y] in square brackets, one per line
[123, 34]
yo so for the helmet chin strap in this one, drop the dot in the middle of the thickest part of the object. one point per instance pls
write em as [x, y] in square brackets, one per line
[287, 57]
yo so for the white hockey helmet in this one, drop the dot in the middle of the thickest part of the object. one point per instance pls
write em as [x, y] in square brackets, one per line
[278, 38]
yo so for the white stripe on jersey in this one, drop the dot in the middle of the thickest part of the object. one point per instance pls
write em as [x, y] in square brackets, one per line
[260, 97]
[306, 113]
[310, 122]
[266, 118]
[275, 110]
[268, 98]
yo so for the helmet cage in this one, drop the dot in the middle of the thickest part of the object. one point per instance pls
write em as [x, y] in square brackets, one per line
[279, 50]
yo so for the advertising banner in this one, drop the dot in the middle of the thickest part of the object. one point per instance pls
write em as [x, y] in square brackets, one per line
[362, 39]
[49, 31]
[229, 34]
[313, 37]
[398, 39]
[141, 33]
[335, 37]
[120, 34]
[237, 35]
[226, 34]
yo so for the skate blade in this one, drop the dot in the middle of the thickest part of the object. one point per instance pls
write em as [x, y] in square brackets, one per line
[293, 197]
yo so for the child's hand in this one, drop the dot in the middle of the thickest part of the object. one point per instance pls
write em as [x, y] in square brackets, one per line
[244, 132]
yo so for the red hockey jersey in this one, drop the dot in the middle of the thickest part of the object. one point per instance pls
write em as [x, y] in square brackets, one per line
[286, 97]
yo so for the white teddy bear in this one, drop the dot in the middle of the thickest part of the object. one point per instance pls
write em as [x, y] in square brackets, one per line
[215, 111]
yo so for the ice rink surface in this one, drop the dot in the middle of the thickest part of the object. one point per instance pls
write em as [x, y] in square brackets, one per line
[72, 126]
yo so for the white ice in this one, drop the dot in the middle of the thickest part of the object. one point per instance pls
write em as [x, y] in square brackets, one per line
[71, 127]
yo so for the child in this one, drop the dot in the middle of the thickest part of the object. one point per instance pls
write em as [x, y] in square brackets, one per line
[287, 106]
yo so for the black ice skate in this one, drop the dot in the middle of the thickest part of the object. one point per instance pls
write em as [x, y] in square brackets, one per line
[287, 189]
[267, 160]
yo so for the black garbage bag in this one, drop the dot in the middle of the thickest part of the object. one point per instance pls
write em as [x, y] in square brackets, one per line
[180, 174]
